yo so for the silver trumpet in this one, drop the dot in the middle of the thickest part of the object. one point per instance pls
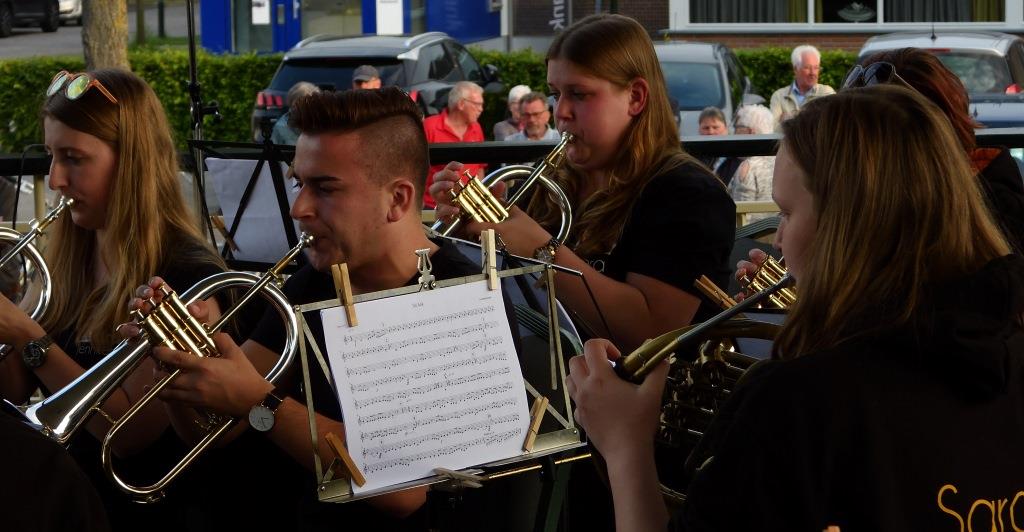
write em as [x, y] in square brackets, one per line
[167, 323]
[23, 245]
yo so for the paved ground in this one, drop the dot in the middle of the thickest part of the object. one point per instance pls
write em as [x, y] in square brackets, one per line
[30, 42]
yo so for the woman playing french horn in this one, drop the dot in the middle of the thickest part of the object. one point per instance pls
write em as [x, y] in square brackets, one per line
[113, 154]
[649, 219]
[896, 399]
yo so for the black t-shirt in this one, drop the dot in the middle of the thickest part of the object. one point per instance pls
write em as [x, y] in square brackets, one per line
[181, 272]
[41, 488]
[681, 227]
[915, 429]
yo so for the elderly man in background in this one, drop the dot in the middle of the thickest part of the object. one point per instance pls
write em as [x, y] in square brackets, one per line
[282, 132]
[456, 123]
[712, 122]
[513, 124]
[536, 118]
[787, 101]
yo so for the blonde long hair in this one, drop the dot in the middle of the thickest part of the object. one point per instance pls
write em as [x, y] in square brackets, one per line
[891, 153]
[146, 212]
[617, 49]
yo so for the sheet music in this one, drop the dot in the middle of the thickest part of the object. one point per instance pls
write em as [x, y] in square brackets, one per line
[427, 380]
[260, 236]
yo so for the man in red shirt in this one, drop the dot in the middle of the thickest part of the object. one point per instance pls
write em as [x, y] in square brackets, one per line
[456, 123]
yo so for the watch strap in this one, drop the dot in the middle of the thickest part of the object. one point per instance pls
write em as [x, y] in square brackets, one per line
[273, 399]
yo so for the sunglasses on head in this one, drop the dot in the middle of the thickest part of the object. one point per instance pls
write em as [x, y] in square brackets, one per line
[873, 74]
[75, 85]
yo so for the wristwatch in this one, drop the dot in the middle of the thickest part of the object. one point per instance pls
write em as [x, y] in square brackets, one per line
[34, 352]
[261, 416]
[547, 252]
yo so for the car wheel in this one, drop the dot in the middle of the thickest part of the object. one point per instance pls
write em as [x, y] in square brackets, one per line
[51, 17]
[6, 19]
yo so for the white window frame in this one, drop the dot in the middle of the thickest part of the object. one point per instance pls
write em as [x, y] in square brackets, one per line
[679, 19]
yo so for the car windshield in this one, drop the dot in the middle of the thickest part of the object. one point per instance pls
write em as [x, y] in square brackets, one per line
[694, 85]
[333, 73]
[980, 72]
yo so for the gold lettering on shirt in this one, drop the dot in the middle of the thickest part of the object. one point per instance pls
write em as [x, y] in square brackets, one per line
[998, 509]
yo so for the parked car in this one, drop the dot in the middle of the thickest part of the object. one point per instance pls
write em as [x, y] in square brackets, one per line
[425, 65]
[990, 65]
[71, 12]
[701, 75]
[44, 13]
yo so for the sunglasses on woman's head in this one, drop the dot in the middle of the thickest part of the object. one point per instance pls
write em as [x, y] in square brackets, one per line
[75, 85]
[873, 74]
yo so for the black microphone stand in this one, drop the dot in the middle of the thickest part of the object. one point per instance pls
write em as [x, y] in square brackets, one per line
[198, 112]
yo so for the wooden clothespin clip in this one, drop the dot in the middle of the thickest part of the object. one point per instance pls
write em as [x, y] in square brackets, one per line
[714, 293]
[490, 258]
[465, 479]
[540, 405]
[218, 222]
[343, 287]
[348, 466]
[425, 268]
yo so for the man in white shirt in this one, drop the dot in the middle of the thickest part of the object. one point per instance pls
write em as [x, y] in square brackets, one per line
[787, 101]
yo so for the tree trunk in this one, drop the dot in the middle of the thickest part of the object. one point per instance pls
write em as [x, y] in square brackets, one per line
[105, 34]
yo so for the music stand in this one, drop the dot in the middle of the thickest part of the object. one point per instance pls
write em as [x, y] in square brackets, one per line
[550, 447]
[271, 155]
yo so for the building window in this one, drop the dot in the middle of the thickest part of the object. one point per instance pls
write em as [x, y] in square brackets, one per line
[846, 11]
[945, 10]
[725, 11]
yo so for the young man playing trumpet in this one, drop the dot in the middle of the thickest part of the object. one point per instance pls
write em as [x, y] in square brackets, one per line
[360, 164]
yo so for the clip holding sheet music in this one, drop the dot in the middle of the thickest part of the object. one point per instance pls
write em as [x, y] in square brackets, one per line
[540, 405]
[424, 266]
[344, 460]
[490, 257]
[343, 288]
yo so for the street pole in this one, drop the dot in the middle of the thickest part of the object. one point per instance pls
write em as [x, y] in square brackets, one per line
[160, 19]
[140, 23]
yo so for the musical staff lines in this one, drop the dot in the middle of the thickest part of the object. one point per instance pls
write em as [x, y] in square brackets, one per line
[427, 380]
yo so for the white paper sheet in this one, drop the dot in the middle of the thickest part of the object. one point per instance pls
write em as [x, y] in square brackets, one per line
[260, 236]
[427, 380]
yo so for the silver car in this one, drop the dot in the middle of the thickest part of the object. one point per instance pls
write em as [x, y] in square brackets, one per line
[702, 75]
[990, 65]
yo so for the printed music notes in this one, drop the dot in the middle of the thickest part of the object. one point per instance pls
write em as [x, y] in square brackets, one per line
[427, 380]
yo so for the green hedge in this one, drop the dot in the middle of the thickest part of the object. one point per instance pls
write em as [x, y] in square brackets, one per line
[231, 80]
[234, 80]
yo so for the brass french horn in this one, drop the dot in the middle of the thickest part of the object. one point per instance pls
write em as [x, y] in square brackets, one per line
[705, 371]
[477, 203]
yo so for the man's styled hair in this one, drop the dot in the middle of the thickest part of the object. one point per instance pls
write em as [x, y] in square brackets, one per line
[797, 57]
[389, 123]
[461, 91]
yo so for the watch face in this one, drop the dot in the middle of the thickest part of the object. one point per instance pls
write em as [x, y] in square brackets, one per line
[261, 418]
[33, 355]
[546, 254]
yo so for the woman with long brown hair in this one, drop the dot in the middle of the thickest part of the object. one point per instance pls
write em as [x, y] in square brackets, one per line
[649, 219]
[895, 401]
[113, 154]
